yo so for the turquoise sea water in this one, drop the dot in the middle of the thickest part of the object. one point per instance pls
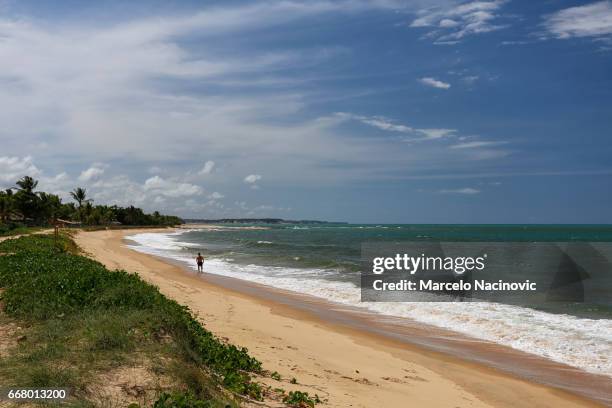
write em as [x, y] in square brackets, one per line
[339, 245]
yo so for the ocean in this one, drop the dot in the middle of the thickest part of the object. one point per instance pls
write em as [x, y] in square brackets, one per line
[323, 260]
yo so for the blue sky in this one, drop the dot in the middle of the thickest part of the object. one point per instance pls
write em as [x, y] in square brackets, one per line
[355, 110]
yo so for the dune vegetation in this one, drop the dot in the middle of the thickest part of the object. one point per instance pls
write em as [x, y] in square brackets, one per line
[78, 325]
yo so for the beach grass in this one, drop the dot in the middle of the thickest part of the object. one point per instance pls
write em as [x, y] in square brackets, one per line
[84, 327]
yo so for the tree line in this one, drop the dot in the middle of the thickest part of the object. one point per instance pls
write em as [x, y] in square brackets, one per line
[23, 205]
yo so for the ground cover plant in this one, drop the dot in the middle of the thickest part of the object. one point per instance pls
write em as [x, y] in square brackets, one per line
[81, 321]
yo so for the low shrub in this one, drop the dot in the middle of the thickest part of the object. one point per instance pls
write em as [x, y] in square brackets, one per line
[300, 399]
[181, 400]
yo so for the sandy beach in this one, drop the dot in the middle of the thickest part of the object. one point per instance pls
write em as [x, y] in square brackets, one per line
[341, 363]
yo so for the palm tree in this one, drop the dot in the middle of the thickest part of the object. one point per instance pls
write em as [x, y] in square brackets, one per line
[27, 184]
[80, 196]
[50, 206]
[26, 201]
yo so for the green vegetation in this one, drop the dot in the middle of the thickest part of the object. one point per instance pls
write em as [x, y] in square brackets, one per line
[81, 324]
[24, 206]
[83, 321]
[301, 399]
[180, 400]
[15, 229]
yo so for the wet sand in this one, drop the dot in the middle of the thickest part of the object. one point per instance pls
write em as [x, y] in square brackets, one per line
[348, 358]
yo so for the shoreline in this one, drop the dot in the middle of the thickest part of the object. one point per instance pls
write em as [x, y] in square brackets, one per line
[347, 359]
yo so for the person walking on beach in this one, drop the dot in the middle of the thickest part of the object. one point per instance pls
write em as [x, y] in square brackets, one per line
[200, 262]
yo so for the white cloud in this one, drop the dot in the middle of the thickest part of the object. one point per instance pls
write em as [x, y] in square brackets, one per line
[447, 22]
[452, 23]
[386, 124]
[379, 122]
[434, 83]
[58, 178]
[154, 182]
[114, 81]
[13, 168]
[120, 190]
[436, 133]
[119, 104]
[466, 190]
[216, 196]
[476, 144]
[208, 167]
[156, 193]
[92, 173]
[590, 20]
[170, 188]
[252, 178]
[60, 184]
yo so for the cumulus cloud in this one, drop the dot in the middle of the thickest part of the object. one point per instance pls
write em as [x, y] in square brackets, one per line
[120, 190]
[60, 184]
[92, 173]
[156, 193]
[171, 188]
[466, 190]
[449, 24]
[168, 195]
[252, 178]
[434, 83]
[208, 167]
[13, 168]
[590, 20]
